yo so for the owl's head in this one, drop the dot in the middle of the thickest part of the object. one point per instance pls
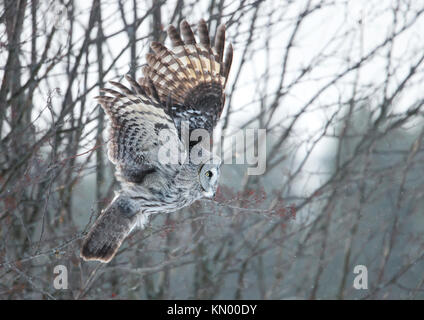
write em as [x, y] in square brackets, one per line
[208, 176]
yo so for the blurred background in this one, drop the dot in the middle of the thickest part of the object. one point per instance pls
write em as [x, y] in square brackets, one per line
[338, 86]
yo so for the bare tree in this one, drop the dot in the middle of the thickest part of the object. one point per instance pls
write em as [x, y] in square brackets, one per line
[336, 84]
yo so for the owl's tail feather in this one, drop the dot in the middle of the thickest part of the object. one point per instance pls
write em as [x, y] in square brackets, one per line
[109, 231]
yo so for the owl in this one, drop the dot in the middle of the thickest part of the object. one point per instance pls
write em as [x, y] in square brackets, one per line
[182, 90]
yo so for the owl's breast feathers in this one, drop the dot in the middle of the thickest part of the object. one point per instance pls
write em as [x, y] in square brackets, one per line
[160, 192]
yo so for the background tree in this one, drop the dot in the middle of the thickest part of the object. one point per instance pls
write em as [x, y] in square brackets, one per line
[337, 85]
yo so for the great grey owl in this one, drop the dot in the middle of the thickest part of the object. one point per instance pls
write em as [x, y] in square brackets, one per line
[180, 87]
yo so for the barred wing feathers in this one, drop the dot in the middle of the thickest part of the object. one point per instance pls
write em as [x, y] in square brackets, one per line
[136, 119]
[190, 79]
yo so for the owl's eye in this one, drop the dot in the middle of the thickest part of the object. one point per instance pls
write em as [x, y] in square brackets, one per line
[209, 174]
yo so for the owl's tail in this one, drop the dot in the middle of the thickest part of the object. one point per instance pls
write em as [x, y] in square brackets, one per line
[109, 231]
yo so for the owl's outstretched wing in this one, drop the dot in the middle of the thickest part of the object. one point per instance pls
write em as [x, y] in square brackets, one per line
[190, 79]
[136, 120]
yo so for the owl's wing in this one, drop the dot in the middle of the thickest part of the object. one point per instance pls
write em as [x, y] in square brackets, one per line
[136, 121]
[190, 79]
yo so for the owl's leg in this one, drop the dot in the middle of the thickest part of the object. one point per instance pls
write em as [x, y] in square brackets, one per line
[110, 229]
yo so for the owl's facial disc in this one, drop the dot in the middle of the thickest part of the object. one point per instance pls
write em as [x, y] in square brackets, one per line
[208, 176]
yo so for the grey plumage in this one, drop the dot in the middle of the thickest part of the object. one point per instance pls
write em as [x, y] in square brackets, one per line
[118, 219]
[185, 84]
